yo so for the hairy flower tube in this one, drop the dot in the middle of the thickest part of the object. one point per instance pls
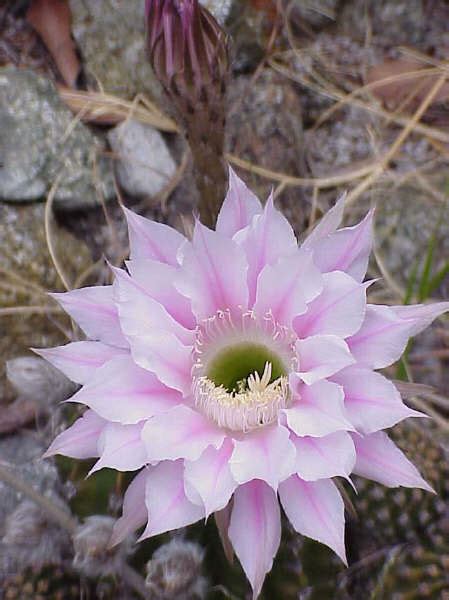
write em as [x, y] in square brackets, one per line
[188, 51]
[237, 370]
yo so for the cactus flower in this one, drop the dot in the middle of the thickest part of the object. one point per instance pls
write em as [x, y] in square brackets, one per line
[238, 370]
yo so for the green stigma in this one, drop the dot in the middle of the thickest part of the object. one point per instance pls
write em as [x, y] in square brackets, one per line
[232, 366]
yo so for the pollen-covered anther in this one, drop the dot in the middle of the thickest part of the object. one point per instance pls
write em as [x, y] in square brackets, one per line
[254, 403]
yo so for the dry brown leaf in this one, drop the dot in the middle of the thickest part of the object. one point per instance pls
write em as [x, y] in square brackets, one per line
[106, 109]
[401, 88]
[52, 19]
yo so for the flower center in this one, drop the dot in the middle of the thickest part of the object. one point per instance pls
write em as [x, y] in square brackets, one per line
[241, 366]
[232, 366]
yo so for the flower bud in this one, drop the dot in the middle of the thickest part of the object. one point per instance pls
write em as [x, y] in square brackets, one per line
[174, 571]
[188, 50]
[189, 54]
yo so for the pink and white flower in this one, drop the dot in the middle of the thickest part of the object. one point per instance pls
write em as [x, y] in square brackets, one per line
[236, 370]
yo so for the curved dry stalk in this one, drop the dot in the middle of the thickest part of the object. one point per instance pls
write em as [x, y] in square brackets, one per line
[368, 87]
[23, 282]
[48, 237]
[334, 94]
[403, 135]
[290, 180]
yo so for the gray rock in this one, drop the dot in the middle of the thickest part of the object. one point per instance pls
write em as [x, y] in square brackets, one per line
[25, 254]
[38, 381]
[317, 13]
[219, 8]
[391, 23]
[40, 142]
[144, 164]
[265, 128]
[111, 37]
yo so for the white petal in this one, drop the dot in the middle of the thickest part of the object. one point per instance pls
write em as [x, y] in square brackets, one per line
[180, 433]
[339, 309]
[320, 458]
[211, 478]
[168, 506]
[266, 453]
[316, 510]
[421, 315]
[286, 287]
[255, 530]
[268, 238]
[318, 409]
[121, 391]
[321, 356]
[134, 512]
[378, 458]
[79, 361]
[347, 249]
[149, 239]
[213, 274]
[81, 439]
[371, 401]
[238, 208]
[94, 310]
[158, 281]
[140, 314]
[163, 354]
[121, 448]
[327, 225]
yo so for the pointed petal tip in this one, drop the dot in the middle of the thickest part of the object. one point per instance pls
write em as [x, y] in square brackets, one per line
[49, 453]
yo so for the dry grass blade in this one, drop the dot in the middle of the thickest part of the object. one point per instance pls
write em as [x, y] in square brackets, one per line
[106, 108]
[49, 237]
[395, 147]
[334, 94]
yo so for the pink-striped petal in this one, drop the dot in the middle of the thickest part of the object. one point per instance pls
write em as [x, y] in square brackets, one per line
[268, 238]
[318, 409]
[81, 439]
[386, 330]
[213, 273]
[327, 225]
[422, 315]
[347, 249]
[79, 361]
[286, 287]
[180, 433]
[379, 459]
[123, 392]
[94, 310]
[168, 506]
[140, 314]
[164, 354]
[158, 281]
[239, 207]
[121, 448]
[266, 453]
[324, 457]
[255, 530]
[338, 310]
[321, 356]
[149, 239]
[134, 512]
[372, 402]
[210, 478]
[316, 510]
